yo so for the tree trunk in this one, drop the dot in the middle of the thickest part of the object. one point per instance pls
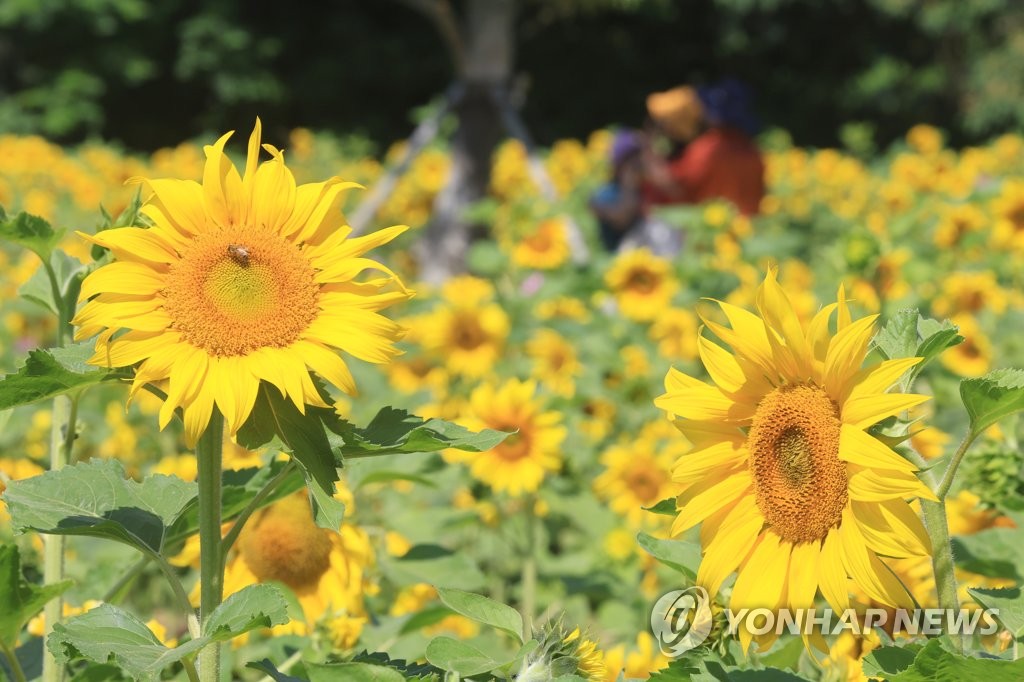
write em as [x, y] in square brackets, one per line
[488, 39]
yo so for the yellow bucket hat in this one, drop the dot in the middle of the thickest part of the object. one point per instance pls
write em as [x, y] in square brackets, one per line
[678, 111]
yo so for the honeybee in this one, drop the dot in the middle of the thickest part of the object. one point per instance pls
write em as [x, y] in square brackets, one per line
[240, 254]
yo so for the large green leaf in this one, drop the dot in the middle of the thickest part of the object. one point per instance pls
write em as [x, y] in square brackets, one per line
[30, 231]
[989, 398]
[21, 600]
[681, 555]
[935, 663]
[95, 498]
[1009, 604]
[276, 419]
[889, 660]
[993, 553]
[356, 672]
[898, 338]
[53, 372]
[107, 634]
[907, 334]
[455, 656]
[254, 606]
[483, 610]
[395, 431]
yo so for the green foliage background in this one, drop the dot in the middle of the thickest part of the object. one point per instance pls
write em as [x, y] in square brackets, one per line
[152, 73]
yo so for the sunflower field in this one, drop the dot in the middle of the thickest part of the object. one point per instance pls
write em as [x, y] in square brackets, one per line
[240, 441]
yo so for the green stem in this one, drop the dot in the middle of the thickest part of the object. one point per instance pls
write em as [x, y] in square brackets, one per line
[254, 504]
[190, 669]
[211, 568]
[529, 575]
[114, 593]
[942, 558]
[954, 463]
[12, 658]
[179, 594]
[62, 440]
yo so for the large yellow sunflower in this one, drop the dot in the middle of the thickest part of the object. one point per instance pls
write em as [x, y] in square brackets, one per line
[239, 279]
[792, 491]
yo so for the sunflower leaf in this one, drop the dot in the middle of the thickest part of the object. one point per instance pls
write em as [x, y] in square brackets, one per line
[32, 232]
[395, 431]
[681, 555]
[252, 607]
[109, 634]
[304, 437]
[936, 663]
[484, 610]
[898, 338]
[666, 507]
[455, 656]
[52, 372]
[1006, 602]
[936, 337]
[989, 398]
[353, 671]
[68, 272]
[96, 499]
[21, 600]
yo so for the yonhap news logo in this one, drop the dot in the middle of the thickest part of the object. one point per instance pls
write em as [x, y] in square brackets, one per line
[681, 620]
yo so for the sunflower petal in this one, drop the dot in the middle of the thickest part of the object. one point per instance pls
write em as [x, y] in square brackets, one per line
[868, 410]
[736, 537]
[859, 447]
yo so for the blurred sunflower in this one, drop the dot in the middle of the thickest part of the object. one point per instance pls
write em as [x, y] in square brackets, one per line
[545, 248]
[794, 494]
[643, 284]
[469, 337]
[636, 664]
[241, 279]
[554, 361]
[325, 569]
[973, 357]
[519, 463]
[637, 475]
[1008, 207]
[675, 331]
[957, 222]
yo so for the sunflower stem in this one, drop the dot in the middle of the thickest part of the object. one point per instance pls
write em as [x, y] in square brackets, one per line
[62, 440]
[529, 574]
[14, 663]
[942, 560]
[954, 464]
[211, 568]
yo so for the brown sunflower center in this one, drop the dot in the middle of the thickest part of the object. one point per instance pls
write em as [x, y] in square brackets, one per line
[645, 485]
[237, 290]
[642, 281]
[515, 447]
[799, 481]
[284, 544]
[468, 334]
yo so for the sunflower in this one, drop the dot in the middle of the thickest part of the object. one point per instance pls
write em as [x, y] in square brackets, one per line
[241, 279]
[638, 663]
[519, 463]
[1008, 207]
[636, 475]
[546, 248]
[643, 284]
[325, 569]
[589, 659]
[973, 357]
[469, 337]
[794, 494]
[675, 331]
[554, 362]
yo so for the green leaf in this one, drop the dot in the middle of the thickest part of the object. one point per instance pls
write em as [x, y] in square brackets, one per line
[455, 656]
[303, 436]
[31, 232]
[356, 672]
[267, 667]
[53, 372]
[989, 398]
[395, 431]
[107, 634]
[425, 617]
[898, 338]
[993, 552]
[666, 507]
[678, 554]
[252, 607]
[484, 610]
[889, 660]
[21, 600]
[936, 337]
[95, 498]
[935, 663]
[69, 273]
[411, 670]
[1007, 602]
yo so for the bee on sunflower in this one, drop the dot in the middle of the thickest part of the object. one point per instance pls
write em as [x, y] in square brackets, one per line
[793, 493]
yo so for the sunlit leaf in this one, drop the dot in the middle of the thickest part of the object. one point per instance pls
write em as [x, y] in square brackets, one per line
[989, 398]
[21, 600]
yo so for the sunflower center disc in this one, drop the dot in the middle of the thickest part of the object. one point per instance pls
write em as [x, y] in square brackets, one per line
[286, 545]
[238, 290]
[799, 480]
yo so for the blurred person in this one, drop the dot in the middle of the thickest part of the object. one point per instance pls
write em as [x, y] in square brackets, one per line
[619, 204]
[720, 159]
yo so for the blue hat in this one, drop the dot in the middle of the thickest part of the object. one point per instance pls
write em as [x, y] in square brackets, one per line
[729, 103]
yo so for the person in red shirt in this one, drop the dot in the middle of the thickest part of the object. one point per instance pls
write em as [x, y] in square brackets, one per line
[721, 161]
